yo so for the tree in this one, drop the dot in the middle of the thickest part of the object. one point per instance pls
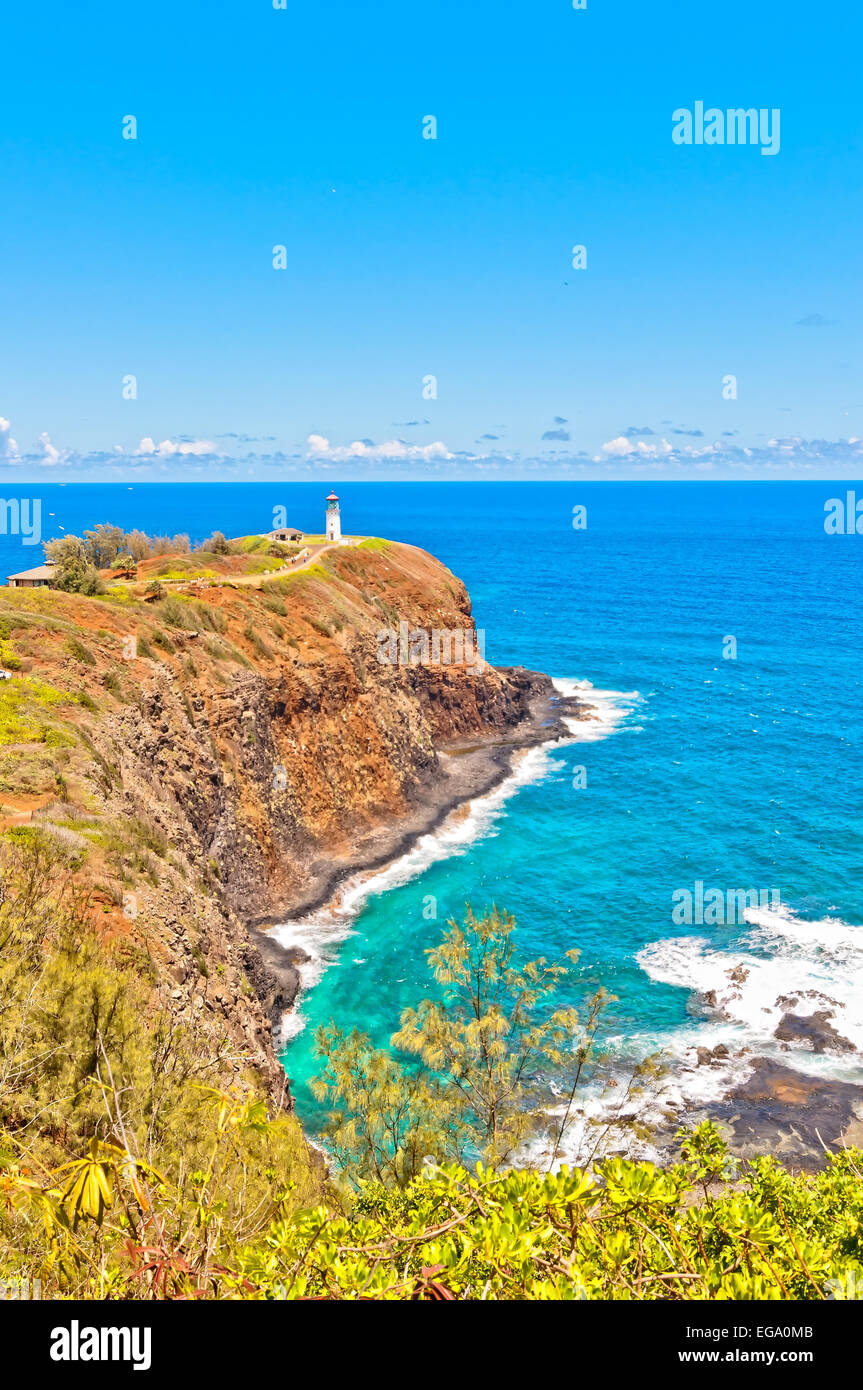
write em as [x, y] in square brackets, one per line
[91, 582]
[73, 571]
[138, 545]
[494, 1032]
[103, 544]
[218, 544]
[487, 1048]
[128, 564]
[168, 545]
[389, 1119]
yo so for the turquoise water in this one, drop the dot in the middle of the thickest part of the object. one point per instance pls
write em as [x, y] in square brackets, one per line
[743, 773]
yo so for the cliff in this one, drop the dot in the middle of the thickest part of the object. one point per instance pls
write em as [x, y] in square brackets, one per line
[218, 758]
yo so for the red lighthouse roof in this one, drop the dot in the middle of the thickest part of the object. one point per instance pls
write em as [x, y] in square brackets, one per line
[332, 497]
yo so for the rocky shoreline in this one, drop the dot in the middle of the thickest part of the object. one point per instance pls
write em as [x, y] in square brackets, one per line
[776, 1109]
[467, 768]
[793, 1116]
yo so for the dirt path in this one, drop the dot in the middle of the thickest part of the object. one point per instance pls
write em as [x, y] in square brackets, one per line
[256, 580]
[316, 552]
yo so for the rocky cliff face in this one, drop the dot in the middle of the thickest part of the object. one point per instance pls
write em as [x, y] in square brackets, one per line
[299, 757]
[265, 748]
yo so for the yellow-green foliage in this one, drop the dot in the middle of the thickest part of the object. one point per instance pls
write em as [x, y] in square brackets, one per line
[120, 595]
[374, 543]
[131, 1168]
[192, 571]
[626, 1231]
[318, 571]
[112, 1132]
[21, 701]
[486, 1047]
[266, 564]
[8, 658]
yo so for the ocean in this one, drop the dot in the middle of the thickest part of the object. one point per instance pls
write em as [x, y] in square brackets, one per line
[718, 629]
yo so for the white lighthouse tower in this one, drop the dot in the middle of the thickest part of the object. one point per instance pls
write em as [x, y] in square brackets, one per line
[334, 519]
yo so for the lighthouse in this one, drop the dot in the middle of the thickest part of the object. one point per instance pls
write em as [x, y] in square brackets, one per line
[334, 519]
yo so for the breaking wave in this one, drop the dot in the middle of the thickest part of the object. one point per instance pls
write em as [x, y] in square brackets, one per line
[318, 935]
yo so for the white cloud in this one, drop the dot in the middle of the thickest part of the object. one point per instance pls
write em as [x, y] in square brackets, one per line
[623, 448]
[320, 448]
[8, 447]
[197, 448]
[618, 448]
[50, 455]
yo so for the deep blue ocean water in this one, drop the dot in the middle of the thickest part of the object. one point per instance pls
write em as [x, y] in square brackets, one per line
[740, 773]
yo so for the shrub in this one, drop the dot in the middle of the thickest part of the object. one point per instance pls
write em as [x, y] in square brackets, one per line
[209, 617]
[217, 544]
[175, 613]
[80, 652]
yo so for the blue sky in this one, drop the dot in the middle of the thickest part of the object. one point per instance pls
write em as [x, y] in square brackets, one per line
[409, 258]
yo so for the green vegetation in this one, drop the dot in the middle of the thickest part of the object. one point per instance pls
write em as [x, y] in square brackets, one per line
[374, 543]
[103, 544]
[217, 544]
[117, 595]
[78, 559]
[625, 1231]
[174, 613]
[75, 571]
[101, 1119]
[80, 652]
[22, 703]
[141, 1157]
[8, 659]
[130, 1167]
[485, 1046]
[257, 641]
[251, 545]
[161, 639]
[266, 564]
[174, 571]
[111, 682]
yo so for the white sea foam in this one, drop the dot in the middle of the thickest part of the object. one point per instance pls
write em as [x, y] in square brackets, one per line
[678, 1095]
[783, 965]
[611, 708]
[319, 934]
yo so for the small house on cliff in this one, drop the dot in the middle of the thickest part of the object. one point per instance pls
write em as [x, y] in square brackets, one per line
[42, 577]
[288, 535]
